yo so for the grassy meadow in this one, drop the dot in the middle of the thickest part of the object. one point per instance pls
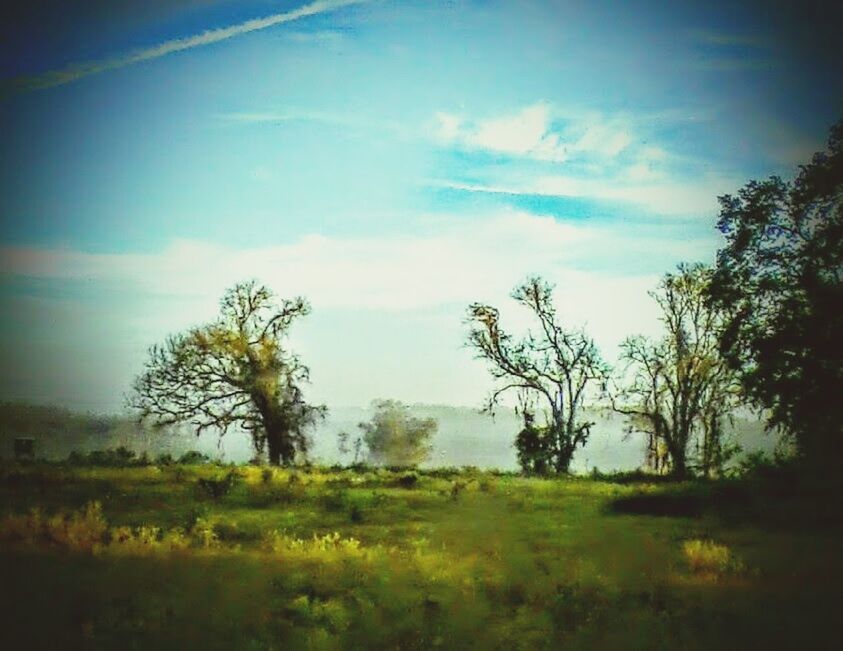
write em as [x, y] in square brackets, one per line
[212, 556]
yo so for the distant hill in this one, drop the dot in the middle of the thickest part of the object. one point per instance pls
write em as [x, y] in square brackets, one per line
[465, 437]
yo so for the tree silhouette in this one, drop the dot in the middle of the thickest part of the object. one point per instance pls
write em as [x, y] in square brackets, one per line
[234, 371]
[681, 389]
[779, 278]
[550, 370]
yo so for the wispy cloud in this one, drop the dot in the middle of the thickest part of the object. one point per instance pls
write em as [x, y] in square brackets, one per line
[532, 133]
[78, 70]
[380, 272]
[637, 185]
[388, 310]
[609, 158]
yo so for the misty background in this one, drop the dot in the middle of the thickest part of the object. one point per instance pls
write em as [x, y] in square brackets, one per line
[465, 437]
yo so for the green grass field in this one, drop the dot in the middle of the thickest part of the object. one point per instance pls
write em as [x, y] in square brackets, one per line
[182, 557]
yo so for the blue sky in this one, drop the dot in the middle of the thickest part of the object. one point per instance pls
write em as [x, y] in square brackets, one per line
[392, 161]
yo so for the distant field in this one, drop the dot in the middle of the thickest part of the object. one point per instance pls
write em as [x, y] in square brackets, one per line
[241, 557]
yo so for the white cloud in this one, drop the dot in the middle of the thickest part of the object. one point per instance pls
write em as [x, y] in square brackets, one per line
[664, 197]
[388, 310]
[606, 139]
[371, 272]
[472, 259]
[77, 71]
[448, 128]
[523, 134]
[530, 133]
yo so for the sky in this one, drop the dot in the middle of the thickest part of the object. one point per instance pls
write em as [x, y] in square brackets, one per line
[391, 161]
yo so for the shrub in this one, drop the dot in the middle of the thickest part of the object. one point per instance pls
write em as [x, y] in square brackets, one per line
[193, 457]
[707, 558]
[84, 530]
[457, 488]
[218, 487]
[120, 457]
[204, 535]
[328, 547]
[145, 540]
[408, 480]
[355, 513]
[334, 500]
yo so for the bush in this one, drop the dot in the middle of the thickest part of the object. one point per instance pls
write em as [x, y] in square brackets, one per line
[408, 480]
[707, 558]
[334, 500]
[84, 530]
[193, 457]
[535, 446]
[120, 457]
[218, 487]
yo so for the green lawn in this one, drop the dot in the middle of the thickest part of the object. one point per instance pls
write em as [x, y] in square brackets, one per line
[361, 560]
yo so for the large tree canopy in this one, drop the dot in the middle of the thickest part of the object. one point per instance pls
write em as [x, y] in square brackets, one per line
[551, 369]
[680, 389]
[779, 277]
[234, 371]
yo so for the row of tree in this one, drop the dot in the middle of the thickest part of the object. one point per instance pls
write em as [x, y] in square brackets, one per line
[678, 390]
[761, 328]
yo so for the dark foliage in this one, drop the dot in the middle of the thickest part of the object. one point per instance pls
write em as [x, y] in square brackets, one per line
[218, 487]
[779, 277]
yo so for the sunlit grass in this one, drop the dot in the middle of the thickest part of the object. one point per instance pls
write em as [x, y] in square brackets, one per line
[298, 558]
[710, 559]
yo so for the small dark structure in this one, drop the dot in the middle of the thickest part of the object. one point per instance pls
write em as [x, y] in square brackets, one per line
[24, 449]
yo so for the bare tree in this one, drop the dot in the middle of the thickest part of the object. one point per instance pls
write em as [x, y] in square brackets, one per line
[551, 370]
[234, 371]
[680, 389]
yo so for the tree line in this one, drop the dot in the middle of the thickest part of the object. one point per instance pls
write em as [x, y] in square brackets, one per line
[760, 328]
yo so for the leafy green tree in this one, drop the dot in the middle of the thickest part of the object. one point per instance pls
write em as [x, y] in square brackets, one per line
[680, 389]
[236, 371]
[395, 438]
[551, 369]
[779, 279]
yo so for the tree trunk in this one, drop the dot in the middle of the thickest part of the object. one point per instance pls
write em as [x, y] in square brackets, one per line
[678, 467]
[278, 444]
[564, 451]
[273, 449]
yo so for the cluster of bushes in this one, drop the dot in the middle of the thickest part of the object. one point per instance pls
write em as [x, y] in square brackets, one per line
[87, 531]
[123, 457]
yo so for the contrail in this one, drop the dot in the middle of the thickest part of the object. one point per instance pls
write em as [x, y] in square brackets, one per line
[79, 70]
